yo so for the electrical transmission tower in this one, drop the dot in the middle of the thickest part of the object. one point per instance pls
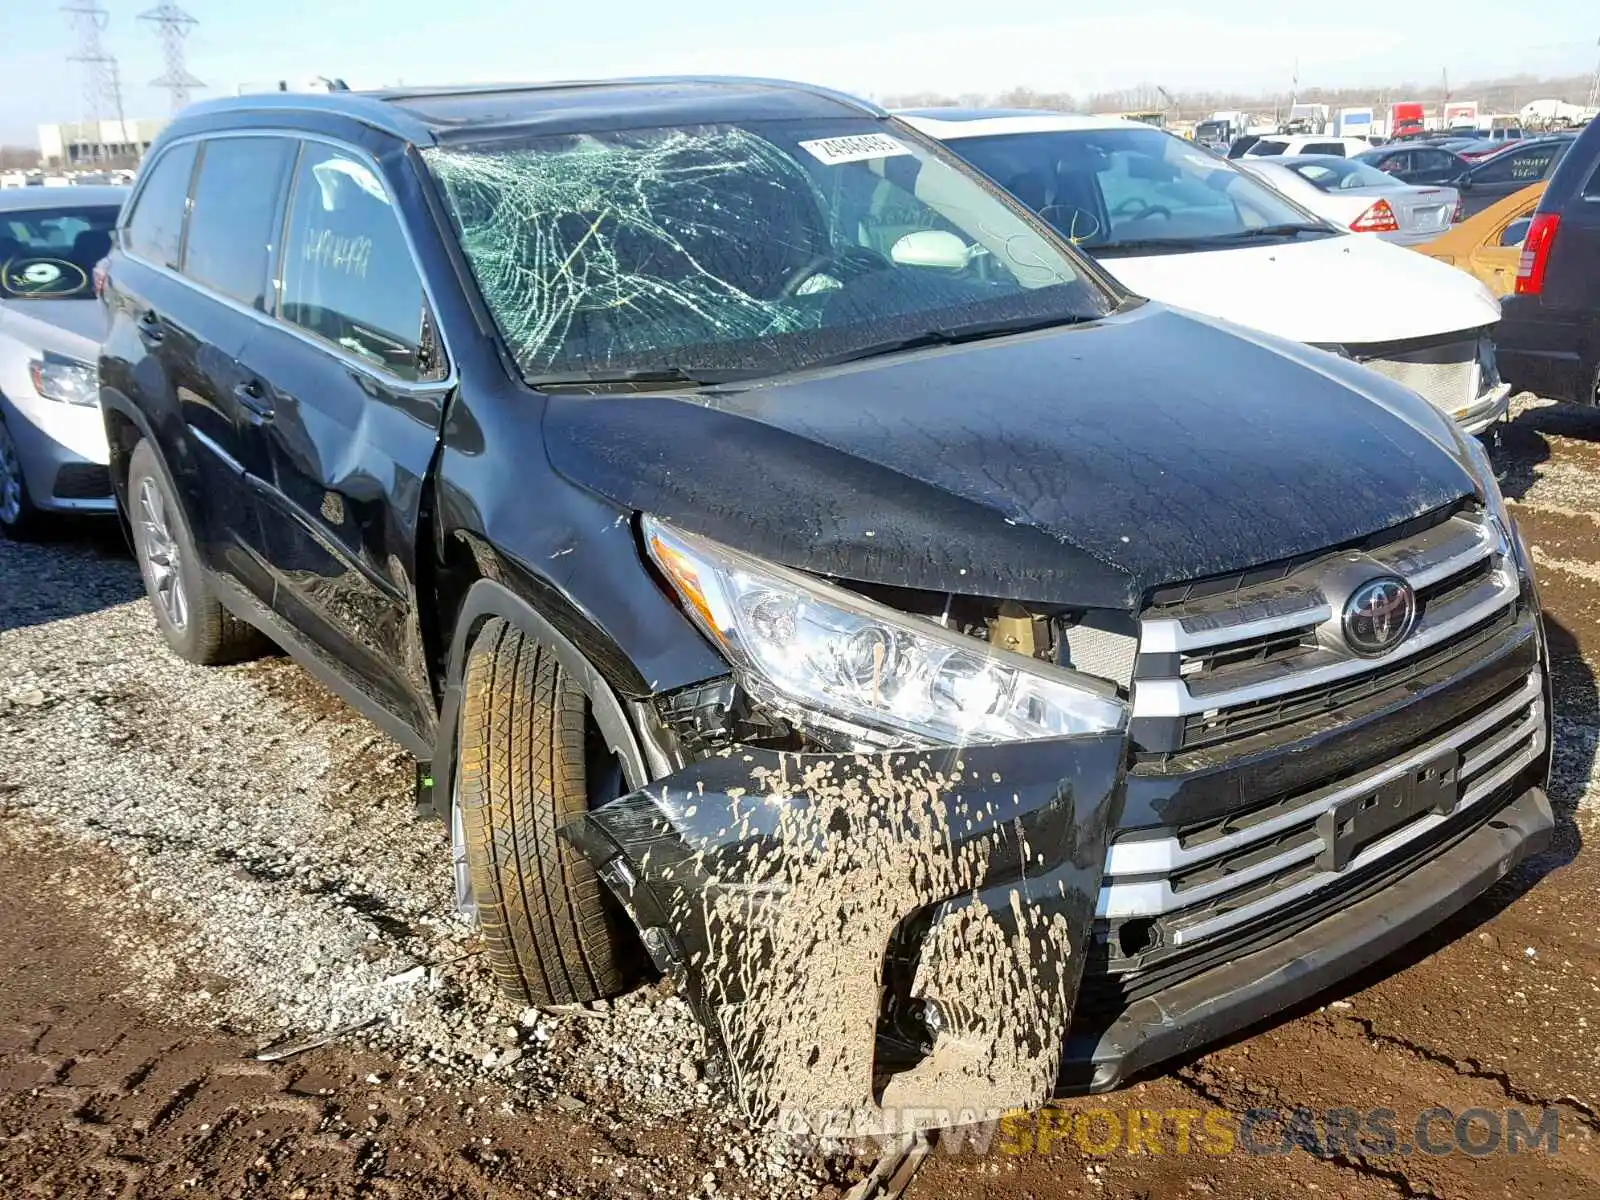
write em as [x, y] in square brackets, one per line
[172, 27]
[102, 88]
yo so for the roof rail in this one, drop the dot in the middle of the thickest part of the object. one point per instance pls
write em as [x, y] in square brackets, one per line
[400, 95]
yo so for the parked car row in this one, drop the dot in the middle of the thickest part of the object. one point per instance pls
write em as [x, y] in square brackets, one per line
[1508, 167]
[808, 566]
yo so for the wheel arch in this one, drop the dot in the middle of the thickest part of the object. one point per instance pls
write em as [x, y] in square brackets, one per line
[126, 427]
[484, 600]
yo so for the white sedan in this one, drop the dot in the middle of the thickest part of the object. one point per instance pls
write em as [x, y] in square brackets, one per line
[1361, 198]
[52, 440]
[1176, 223]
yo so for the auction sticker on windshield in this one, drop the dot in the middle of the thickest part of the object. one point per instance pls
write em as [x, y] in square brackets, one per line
[855, 148]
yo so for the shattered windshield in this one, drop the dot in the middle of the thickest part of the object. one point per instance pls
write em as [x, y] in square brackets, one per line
[751, 249]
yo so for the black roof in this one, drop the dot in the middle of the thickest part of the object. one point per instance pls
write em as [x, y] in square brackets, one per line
[453, 113]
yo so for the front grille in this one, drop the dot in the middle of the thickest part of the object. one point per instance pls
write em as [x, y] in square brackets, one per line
[82, 481]
[1221, 666]
[1189, 884]
[1449, 376]
[1111, 981]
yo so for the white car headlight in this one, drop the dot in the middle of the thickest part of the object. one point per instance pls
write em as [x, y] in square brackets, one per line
[810, 649]
[67, 380]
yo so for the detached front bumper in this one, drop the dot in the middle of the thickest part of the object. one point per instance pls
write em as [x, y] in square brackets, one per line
[778, 888]
[888, 942]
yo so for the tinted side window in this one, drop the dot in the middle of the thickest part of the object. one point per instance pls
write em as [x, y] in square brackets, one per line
[348, 274]
[1521, 166]
[233, 217]
[155, 228]
[1268, 149]
[1324, 148]
[1591, 190]
[1390, 163]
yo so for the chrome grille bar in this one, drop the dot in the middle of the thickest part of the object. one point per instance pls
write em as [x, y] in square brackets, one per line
[1300, 602]
[1198, 931]
[1165, 855]
[1139, 870]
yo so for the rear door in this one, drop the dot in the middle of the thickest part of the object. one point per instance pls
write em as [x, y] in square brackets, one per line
[174, 342]
[1495, 259]
[235, 219]
[1507, 172]
[349, 399]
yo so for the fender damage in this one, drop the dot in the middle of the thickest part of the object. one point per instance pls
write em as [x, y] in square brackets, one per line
[805, 902]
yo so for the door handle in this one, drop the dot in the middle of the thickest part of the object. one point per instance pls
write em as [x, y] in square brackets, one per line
[150, 327]
[253, 397]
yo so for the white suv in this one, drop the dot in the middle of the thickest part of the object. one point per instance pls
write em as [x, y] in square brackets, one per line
[1343, 147]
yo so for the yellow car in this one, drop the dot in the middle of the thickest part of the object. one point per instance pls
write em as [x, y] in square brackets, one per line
[1489, 245]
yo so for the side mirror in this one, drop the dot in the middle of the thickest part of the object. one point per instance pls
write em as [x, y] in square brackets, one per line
[936, 248]
[1463, 182]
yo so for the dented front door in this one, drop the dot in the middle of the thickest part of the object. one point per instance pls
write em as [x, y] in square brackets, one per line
[780, 889]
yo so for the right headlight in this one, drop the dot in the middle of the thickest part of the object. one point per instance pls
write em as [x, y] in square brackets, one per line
[66, 380]
[810, 649]
[1495, 501]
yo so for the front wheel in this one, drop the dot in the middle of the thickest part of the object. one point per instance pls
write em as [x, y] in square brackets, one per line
[188, 613]
[529, 761]
[17, 514]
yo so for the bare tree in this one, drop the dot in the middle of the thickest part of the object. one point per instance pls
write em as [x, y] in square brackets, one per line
[18, 158]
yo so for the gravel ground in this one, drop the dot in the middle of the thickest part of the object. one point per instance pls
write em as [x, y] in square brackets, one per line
[281, 880]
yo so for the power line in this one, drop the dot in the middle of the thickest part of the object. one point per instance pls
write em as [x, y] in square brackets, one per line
[102, 87]
[172, 26]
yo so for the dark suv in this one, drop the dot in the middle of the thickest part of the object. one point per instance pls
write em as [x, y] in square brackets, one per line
[1551, 328]
[805, 575]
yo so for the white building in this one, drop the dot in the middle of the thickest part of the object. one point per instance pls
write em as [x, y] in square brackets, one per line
[98, 143]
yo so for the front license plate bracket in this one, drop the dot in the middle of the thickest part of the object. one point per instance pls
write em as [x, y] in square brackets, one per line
[1351, 826]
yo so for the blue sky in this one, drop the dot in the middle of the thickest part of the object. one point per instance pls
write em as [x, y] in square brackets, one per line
[870, 48]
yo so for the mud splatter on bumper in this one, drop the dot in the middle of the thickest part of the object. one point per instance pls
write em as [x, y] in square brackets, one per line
[772, 886]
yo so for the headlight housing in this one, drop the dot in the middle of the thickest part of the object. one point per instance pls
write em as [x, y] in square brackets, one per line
[56, 377]
[1488, 483]
[1483, 470]
[824, 655]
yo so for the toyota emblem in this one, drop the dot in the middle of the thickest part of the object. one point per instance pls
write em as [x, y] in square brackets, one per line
[1379, 615]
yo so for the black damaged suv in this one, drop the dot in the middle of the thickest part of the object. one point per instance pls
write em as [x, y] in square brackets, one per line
[803, 574]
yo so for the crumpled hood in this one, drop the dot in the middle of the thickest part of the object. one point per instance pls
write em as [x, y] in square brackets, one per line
[1081, 466]
[1344, 291]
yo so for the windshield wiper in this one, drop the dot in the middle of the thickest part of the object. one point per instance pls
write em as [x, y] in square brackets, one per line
[955, 336]
[1294, 229]
[1148, 245]
[641, 379]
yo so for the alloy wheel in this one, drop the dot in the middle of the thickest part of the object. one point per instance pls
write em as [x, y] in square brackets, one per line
[161, 557]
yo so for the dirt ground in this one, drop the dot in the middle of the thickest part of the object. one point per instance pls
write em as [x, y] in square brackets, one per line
[111, 1086]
